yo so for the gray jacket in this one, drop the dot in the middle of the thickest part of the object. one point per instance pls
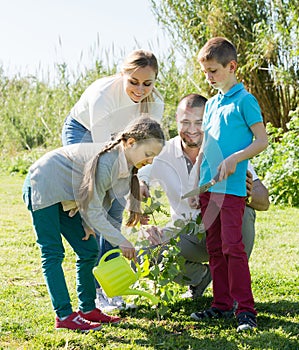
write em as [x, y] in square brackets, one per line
[57, 175]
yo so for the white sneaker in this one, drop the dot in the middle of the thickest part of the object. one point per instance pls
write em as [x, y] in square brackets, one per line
[118, 302]
[187, 295]
[131, 306]
[121, 304]
[102, 302]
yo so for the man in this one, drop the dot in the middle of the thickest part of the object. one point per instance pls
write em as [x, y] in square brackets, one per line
[176, 170]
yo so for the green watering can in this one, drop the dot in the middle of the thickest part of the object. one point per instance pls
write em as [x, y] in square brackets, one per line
[116, 276]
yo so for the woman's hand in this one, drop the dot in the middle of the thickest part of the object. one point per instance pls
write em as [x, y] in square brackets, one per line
[128, 250]
[144, 190]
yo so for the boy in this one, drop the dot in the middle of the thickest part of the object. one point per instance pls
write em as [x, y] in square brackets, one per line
[231, 119]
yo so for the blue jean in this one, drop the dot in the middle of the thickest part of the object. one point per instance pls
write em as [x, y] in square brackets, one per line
[50, 224]
[74, 132]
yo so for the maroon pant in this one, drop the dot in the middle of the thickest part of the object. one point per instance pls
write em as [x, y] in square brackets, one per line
[222, 216]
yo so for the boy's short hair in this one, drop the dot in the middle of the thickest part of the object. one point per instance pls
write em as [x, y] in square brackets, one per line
[219, 49]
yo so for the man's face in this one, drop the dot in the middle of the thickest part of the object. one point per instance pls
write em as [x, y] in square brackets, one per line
[189, 121]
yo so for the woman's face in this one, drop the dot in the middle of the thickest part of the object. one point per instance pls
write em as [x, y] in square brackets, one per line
[139, 83]
[142, 153]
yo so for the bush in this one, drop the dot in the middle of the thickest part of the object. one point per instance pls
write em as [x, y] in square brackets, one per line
[279, 163]
[32, 114]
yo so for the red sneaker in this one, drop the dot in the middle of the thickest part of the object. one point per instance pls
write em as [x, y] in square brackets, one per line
[96, 315]
[76, 322]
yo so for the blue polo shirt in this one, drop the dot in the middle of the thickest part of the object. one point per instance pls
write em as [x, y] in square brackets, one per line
[226, 125]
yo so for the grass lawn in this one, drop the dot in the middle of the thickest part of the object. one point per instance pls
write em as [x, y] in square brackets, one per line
[27, 319]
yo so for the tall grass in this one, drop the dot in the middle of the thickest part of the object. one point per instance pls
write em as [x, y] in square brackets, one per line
[32, 110]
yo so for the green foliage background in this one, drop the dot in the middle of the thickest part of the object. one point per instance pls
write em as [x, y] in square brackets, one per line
[266, 34]
[279, 164]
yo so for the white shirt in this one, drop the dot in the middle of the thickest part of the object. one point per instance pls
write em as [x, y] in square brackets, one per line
[170, 170]
[105, 108]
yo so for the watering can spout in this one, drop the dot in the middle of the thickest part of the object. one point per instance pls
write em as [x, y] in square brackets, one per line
[152, 298]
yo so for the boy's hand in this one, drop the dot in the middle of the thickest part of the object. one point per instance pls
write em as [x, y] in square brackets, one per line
[227, 167]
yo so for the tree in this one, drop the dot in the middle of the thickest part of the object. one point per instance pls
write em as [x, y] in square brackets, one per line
[265, 33]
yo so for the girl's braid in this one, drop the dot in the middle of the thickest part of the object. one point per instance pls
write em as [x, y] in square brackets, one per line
[87, 186]
[134, 200]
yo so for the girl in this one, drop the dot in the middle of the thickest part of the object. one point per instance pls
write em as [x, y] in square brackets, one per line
[88, 177]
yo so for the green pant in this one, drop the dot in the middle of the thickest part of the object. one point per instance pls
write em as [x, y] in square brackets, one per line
[50, 224]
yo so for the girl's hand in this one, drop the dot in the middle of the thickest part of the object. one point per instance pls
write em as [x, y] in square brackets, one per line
[144, 190]
[128, 250]
[88, 232]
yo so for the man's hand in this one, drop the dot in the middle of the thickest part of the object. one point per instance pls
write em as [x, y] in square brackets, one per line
[249, 183]
[194, 202]
[259, 196]
[153, 234]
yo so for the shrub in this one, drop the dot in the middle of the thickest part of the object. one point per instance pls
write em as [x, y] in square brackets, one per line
[279, 163]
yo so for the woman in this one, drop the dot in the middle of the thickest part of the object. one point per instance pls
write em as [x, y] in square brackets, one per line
[88, 177]
[109, 104]
[105, 108]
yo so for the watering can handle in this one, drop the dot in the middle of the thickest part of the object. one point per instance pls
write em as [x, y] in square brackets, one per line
[113, 251]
